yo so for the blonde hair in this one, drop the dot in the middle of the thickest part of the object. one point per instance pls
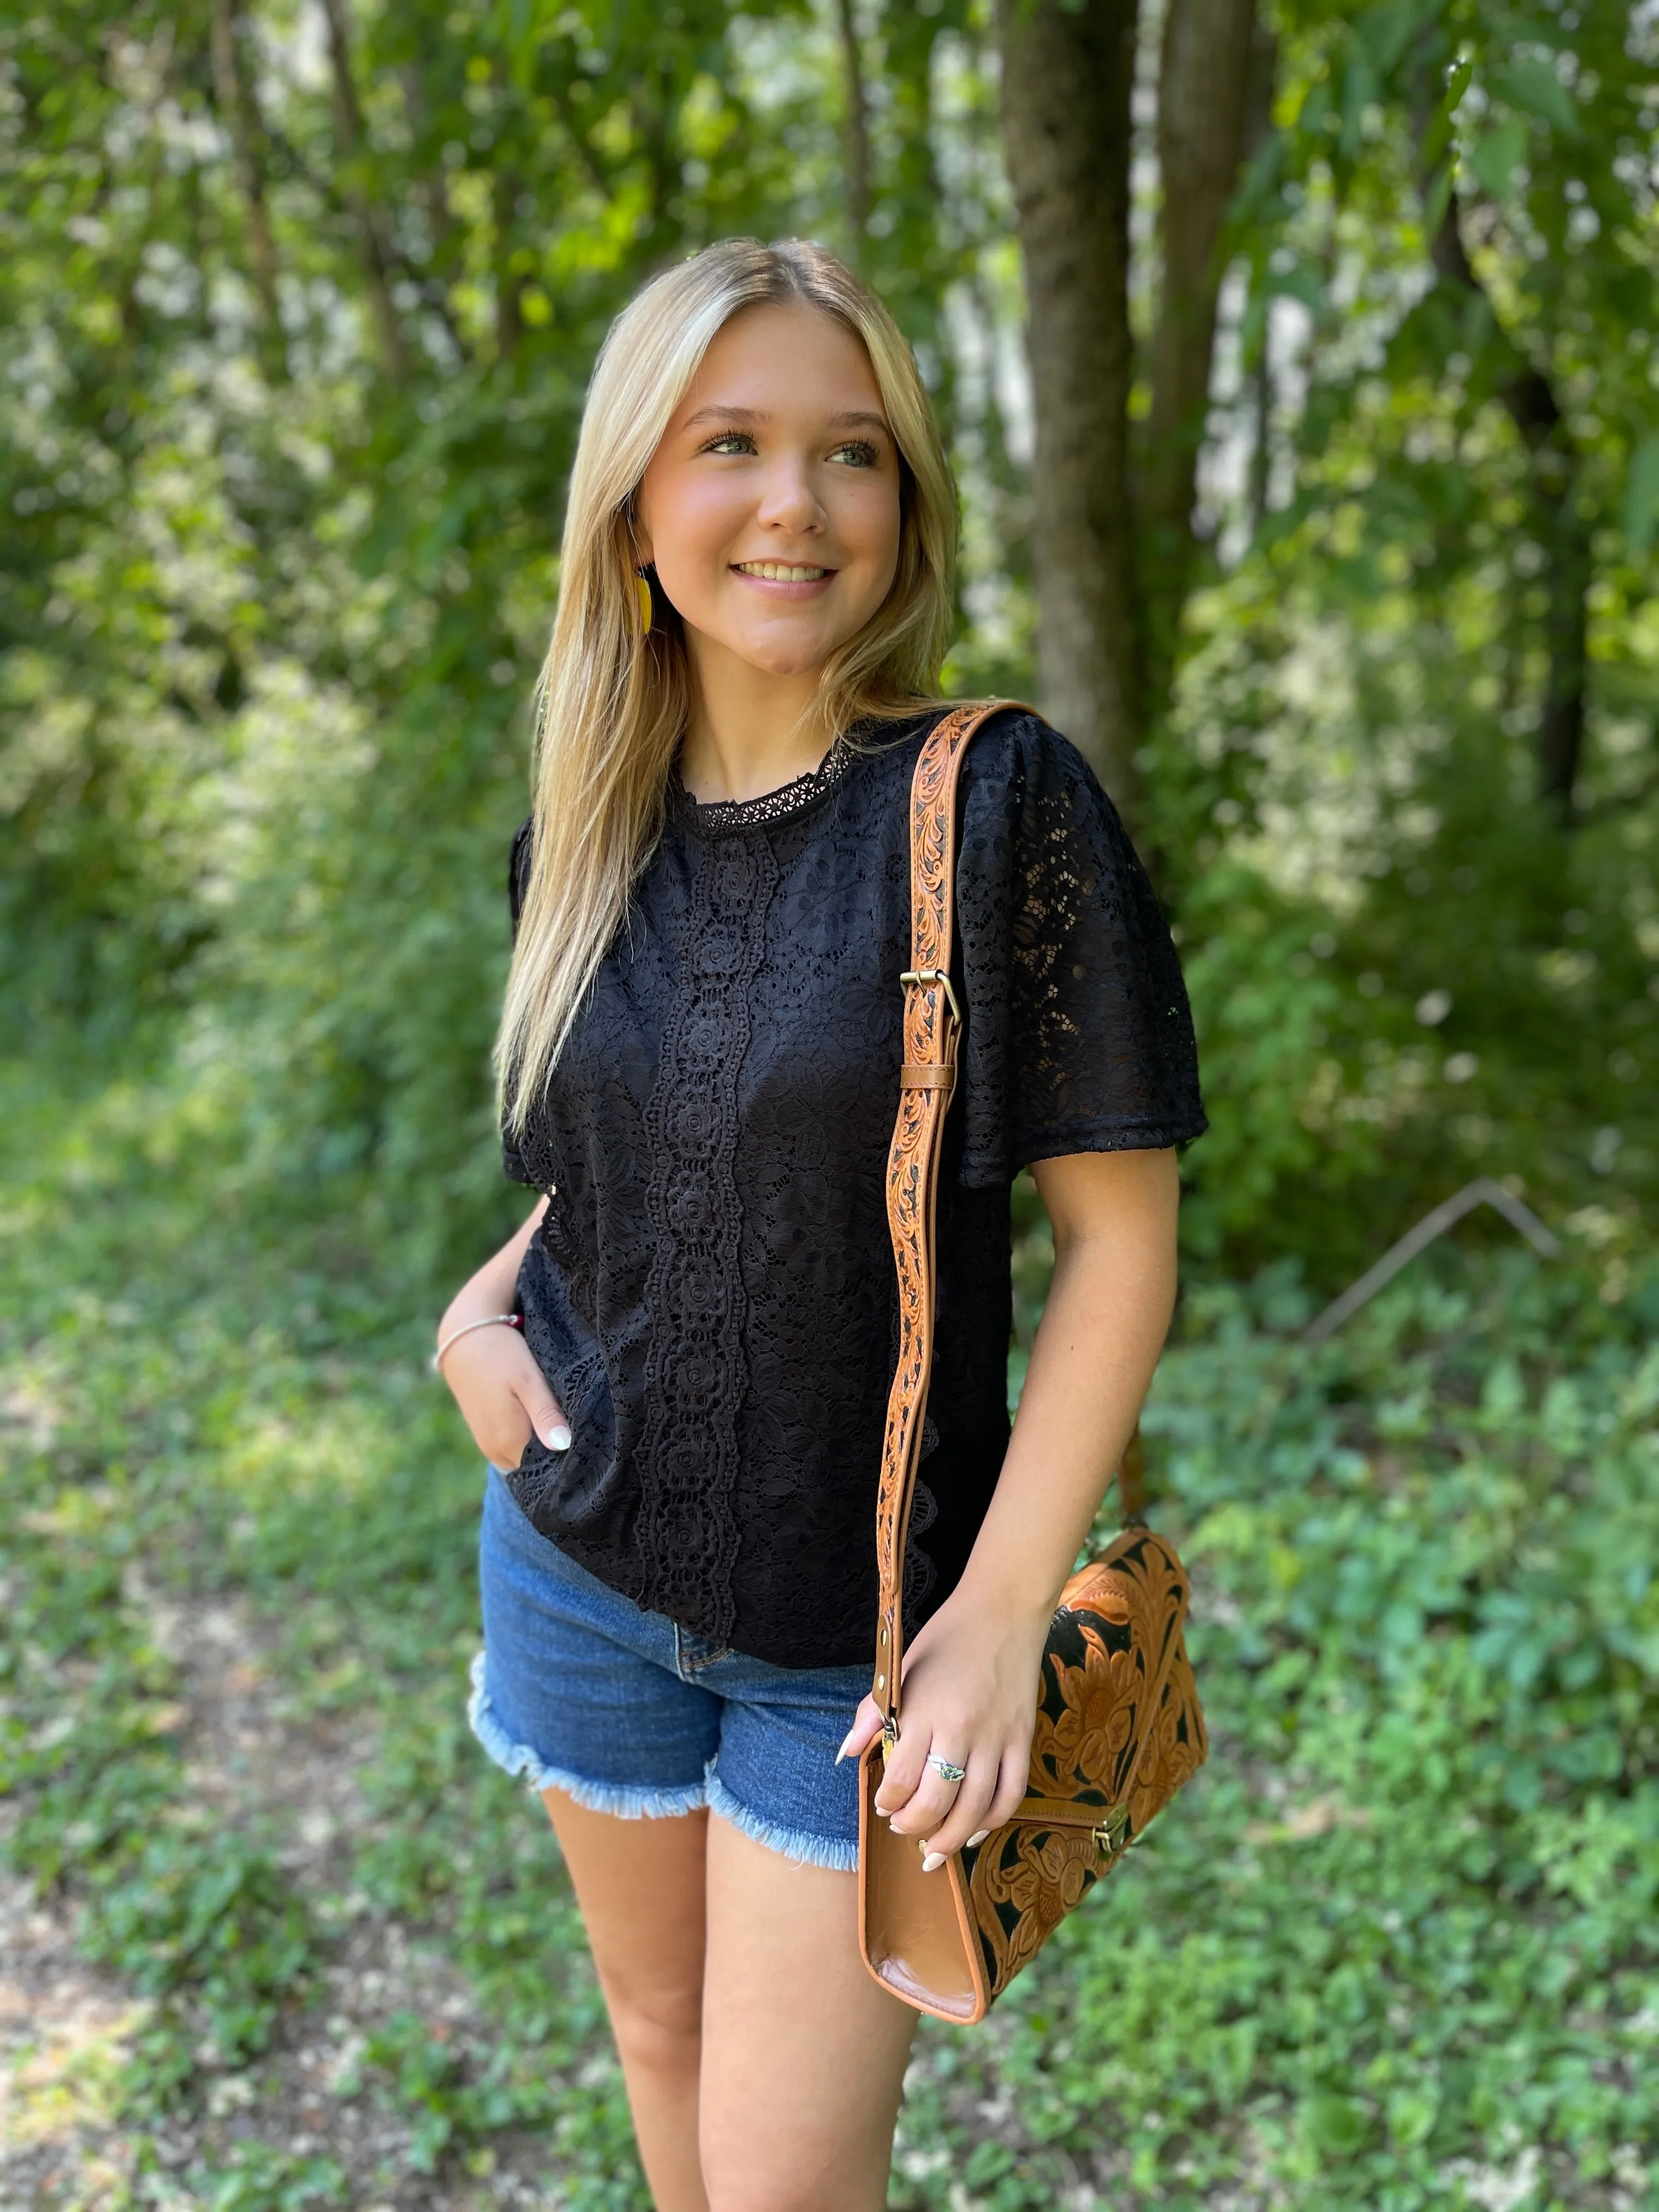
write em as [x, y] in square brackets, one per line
[612, 704]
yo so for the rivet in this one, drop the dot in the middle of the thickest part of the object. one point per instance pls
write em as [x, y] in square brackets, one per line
[881, 1681]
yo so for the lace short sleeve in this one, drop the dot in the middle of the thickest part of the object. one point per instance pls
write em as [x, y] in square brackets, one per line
[1078, 1036]
[518, 882]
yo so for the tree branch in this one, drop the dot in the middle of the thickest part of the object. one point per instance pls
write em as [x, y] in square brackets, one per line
[233, 105]
[377, 256]
[598, 175]
[1530, 399]
[858, 129]
[509, 319]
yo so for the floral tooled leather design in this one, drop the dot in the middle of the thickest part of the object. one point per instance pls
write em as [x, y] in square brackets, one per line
[1119, 1728]
[1118, 1725]
[931, 1033]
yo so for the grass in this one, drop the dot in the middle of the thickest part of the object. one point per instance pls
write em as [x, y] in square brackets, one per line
[1395, 1947]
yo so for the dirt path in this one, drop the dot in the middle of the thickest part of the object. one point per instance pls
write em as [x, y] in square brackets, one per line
[65, 2028]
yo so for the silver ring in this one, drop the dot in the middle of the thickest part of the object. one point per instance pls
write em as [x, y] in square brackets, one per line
[946, 1769]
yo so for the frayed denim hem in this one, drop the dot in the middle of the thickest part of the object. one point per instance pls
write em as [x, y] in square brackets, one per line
[797, 1844]
[619, 1799]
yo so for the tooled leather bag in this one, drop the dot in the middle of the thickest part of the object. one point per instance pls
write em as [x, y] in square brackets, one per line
[1119, 1728]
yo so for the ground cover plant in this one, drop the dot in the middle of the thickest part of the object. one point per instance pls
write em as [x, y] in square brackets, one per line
[1395, 1946]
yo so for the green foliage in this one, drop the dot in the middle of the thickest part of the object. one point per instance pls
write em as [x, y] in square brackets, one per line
[1396, 1942]
[284, 548]
[280, 557]
[1394, 1946]
[1450, 535]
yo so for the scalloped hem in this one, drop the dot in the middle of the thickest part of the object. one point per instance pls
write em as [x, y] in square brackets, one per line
[798, 1845]
[621, 1801]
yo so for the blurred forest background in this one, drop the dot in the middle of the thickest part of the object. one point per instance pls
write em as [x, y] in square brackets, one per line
[1300, 364]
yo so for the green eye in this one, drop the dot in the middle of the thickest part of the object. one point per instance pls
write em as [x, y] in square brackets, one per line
[731, 442]
[860, 452]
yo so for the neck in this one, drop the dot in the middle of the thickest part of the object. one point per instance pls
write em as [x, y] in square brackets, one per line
[750, 731]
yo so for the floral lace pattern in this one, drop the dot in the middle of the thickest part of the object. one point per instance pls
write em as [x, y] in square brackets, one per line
[712, 1295]
[688, 1535]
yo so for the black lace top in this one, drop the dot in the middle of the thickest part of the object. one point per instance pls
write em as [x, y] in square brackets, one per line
[712, 1295]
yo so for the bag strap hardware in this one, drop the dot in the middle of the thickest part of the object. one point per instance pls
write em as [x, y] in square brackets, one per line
[1109, 1836]
[923, 976]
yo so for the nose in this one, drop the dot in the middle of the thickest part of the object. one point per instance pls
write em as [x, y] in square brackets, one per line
[788, 498]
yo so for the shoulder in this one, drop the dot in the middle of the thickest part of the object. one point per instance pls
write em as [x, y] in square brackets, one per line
[1025, 761]
[1027, 787]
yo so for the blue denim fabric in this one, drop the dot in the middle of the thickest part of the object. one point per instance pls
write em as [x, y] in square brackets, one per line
[579, 1688]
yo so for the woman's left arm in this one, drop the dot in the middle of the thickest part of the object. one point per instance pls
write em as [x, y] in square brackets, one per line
[971, 1674]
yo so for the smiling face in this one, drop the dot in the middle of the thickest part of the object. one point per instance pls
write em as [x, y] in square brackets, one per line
[771, 508]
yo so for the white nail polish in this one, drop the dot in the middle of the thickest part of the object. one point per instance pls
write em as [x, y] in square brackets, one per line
[558, 1439]
[974, 1842]
[933, 1862]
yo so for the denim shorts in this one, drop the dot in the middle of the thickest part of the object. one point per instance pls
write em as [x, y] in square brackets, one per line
[580, 1689]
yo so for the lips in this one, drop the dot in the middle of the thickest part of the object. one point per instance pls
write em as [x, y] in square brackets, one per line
[783, 572]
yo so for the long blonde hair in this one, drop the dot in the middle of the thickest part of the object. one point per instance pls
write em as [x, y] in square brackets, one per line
[611, 703]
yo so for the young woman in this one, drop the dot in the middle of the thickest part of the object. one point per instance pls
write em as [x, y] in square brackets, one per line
[700, 1054]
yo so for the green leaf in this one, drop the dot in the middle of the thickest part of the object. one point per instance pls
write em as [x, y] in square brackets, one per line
[1497, 155]
[1385, 32]
[1642, 496]
[1439, 134]
[1535, 89]
[1411, 2114]
[1336, 2125]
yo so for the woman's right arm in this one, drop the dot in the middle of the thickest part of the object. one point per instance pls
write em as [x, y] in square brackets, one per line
[502, 1393]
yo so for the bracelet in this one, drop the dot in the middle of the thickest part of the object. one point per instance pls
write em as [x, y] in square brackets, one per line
[484, 1321]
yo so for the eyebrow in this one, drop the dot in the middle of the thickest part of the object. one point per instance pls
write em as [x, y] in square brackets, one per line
[849, 419]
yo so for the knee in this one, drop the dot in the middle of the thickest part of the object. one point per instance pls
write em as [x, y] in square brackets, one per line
[661, 2030]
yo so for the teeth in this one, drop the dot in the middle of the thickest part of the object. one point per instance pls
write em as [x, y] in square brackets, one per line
[779, 572]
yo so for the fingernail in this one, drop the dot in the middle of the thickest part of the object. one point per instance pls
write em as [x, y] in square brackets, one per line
[558, 1438]
[847, 1744]
[933, 1862]
[974, 1842]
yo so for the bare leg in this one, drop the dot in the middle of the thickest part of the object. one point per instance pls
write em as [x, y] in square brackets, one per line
[804, 2055]
[640, 1886]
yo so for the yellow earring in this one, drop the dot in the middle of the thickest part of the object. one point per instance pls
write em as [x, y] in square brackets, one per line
[643, 586]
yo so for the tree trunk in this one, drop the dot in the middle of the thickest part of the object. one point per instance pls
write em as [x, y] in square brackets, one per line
[1067, 78]
[1203, 104]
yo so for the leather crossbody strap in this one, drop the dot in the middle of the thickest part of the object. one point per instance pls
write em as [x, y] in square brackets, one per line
[933, 1033]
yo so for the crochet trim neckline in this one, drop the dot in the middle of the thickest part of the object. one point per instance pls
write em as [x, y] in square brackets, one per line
[791, 798]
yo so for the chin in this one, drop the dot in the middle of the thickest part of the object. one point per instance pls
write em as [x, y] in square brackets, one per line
[774, 658]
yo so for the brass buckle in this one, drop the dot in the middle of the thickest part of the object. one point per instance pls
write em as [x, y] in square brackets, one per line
[920, 975]
[1108, 1837]
[889, 1738]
